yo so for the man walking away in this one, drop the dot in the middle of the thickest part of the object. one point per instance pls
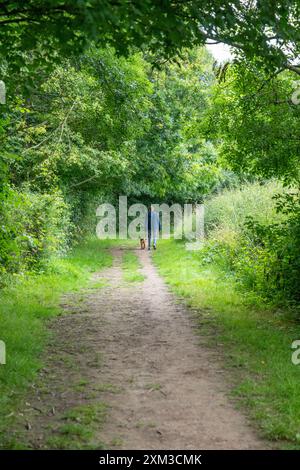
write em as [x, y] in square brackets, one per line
[153, 226]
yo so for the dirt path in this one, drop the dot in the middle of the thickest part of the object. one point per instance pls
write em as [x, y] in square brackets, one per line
[133, 347]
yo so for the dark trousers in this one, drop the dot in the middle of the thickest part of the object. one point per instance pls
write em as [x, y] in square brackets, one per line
[149, 240]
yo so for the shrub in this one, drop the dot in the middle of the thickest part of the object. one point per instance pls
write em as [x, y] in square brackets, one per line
[229, 209]
[34, 227]
[254, 232]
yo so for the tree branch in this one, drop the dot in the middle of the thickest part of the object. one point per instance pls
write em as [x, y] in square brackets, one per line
[294, 68]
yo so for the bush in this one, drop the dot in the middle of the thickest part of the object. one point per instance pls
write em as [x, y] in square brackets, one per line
[280, 244]
[34, 227]
[254, 232]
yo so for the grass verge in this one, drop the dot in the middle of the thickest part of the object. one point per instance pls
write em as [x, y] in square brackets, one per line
[254, 339]
[24, 309]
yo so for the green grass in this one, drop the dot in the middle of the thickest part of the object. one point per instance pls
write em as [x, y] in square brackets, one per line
[228, 210]
[131, 266]
[255, 340]
[81, 385]
[82, 423]
[24, 309]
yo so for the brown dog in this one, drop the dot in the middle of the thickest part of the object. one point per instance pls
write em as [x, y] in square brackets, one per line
[143, 244]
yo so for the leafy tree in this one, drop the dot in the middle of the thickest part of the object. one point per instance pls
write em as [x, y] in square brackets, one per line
[175, 161]
[110, 123]
[97, 127]
[48, 29]
[256, 122]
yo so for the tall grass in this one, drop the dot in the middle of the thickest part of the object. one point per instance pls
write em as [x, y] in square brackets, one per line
[248, 237]
[229, 210]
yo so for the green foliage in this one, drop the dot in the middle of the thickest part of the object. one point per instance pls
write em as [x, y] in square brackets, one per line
[36, 33]
[256, 123]
[96, 127]
[278, 247]
[229, 209]
[35, 227]
[253, 233]
[175, 162]
[82, 124]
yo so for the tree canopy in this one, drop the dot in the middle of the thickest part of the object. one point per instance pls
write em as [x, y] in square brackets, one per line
[36, 30]
[256, 122]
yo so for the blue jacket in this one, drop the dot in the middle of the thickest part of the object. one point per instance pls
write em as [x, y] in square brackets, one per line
[152, 222]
